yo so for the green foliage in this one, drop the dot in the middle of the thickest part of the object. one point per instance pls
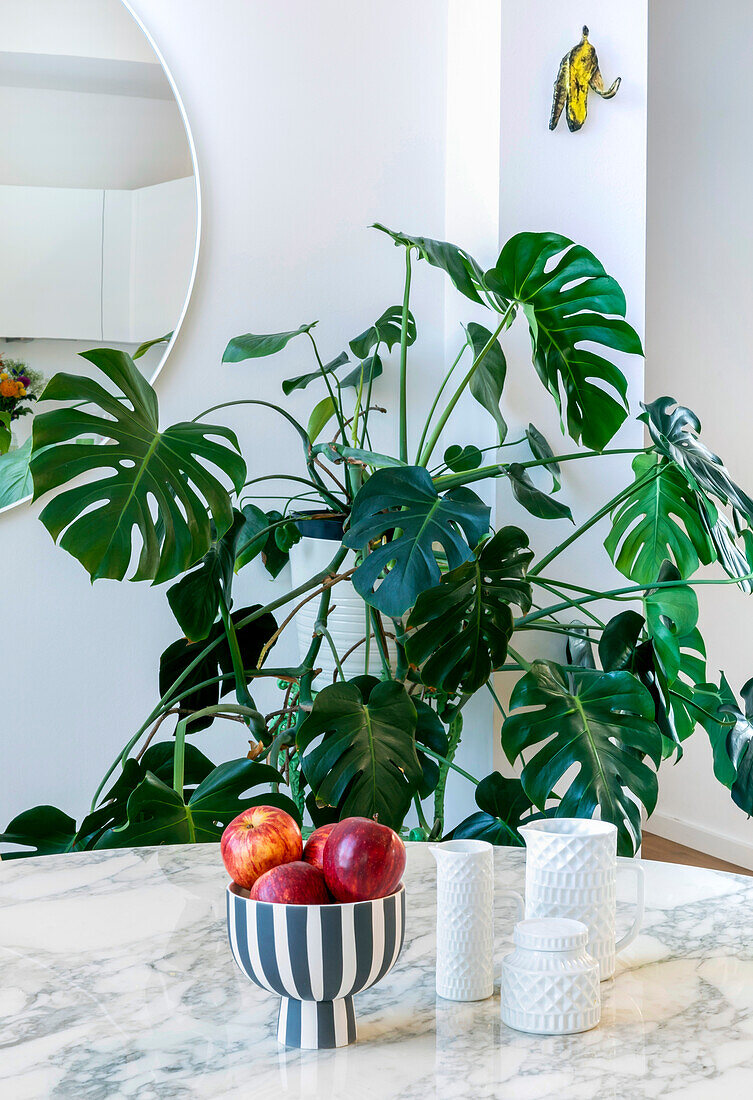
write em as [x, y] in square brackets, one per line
[402, 507]
[587, 738]
[139, 464]
[385, 330]
[249, 346]
[465, 621]
[659, 521]
[601, 723]
[488, 380]
[463, 270]
[157, 814]
[568, 300]
[15, 475]
[358, 749]
[534, 500]
[503, 807]
[195, 599]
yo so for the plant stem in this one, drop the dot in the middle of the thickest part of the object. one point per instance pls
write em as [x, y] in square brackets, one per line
[519, 658]
[450, 764]
[493, 694]
[435, 402]
[169, 694]
[404, 361]
[433, 438]
[421, 817]
[241, 684]
[338, 409]
[455, 731]
[630, 590]
[603, 511]
[499, 469]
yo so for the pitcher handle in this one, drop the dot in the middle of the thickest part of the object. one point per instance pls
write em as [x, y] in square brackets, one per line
[640, 881]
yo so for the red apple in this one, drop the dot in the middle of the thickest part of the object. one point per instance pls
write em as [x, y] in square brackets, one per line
[313, 849]
[363, 860]
[292, 883]
[259, 838]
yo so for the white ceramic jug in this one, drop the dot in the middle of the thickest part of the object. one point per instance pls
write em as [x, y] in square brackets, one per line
[571, 871]
[465, 918]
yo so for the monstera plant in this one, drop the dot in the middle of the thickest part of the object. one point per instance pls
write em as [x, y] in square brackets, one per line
[448, 601]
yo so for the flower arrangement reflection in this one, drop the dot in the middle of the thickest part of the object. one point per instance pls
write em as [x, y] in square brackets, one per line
[19, 386]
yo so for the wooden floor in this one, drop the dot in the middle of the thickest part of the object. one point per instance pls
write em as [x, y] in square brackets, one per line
[656, 847]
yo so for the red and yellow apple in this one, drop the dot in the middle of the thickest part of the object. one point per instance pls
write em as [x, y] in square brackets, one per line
[363, 860]
[292, 884]
[313, 849]
[259, 838]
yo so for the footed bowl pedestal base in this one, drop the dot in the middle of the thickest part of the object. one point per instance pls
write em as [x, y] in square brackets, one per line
[316, 1025]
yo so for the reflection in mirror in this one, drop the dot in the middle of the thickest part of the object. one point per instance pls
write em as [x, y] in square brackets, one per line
[98, 204]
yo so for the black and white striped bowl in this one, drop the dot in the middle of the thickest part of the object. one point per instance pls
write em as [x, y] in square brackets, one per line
[316, 957]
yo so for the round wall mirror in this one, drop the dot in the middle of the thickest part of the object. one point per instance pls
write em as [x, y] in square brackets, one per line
[99, 204]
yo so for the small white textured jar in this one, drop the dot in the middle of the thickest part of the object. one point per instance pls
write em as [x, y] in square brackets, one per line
[550, 984]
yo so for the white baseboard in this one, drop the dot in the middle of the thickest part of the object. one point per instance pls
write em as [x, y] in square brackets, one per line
[713, 843]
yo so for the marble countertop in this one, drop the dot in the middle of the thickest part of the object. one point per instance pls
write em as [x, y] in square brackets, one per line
[116, 980]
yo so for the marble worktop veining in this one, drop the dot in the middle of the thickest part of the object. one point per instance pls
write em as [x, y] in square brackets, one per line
[116, 980]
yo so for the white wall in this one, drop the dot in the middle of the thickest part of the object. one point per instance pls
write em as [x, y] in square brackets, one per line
[700, 284]
[590, 186]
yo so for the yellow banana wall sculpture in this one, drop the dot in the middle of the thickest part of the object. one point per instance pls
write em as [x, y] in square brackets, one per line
[579, 71]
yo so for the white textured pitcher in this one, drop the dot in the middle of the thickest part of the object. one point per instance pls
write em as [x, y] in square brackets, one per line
[571, 871]
[465, 919]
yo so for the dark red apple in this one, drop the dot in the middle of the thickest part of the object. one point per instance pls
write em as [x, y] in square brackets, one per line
[292, 883]
[313, 849]
[258, 839]
[363, 860]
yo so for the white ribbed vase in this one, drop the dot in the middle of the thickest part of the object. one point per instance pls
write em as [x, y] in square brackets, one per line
[571, 872]
[465, 919]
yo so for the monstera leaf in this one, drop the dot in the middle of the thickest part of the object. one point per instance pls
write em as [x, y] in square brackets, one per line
[738, 745]
[301, 381]
[256, 537]
[488, 380]
[601, 724]
[195, 599]
[624, 646]
[15, 475]
[534, 500]
[674, 430]
[156, 814]
[465, 622]
[250, 346]
[541, 449]
[179, 656]
[569, 300]
[464, 271]
[430, 733]
[358, 749]
[503, 806]
[403, 504]
[659, 521]
[671, 614]
[140, 467]
[386, 330]
[42, 830]
[6, 436]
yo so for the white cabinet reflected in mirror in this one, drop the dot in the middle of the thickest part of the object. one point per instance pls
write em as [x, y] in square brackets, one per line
[98, 203]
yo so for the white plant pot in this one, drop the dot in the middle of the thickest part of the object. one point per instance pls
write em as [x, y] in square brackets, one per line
[346, 622]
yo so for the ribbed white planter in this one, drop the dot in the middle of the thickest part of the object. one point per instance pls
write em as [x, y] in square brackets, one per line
[346, 622]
